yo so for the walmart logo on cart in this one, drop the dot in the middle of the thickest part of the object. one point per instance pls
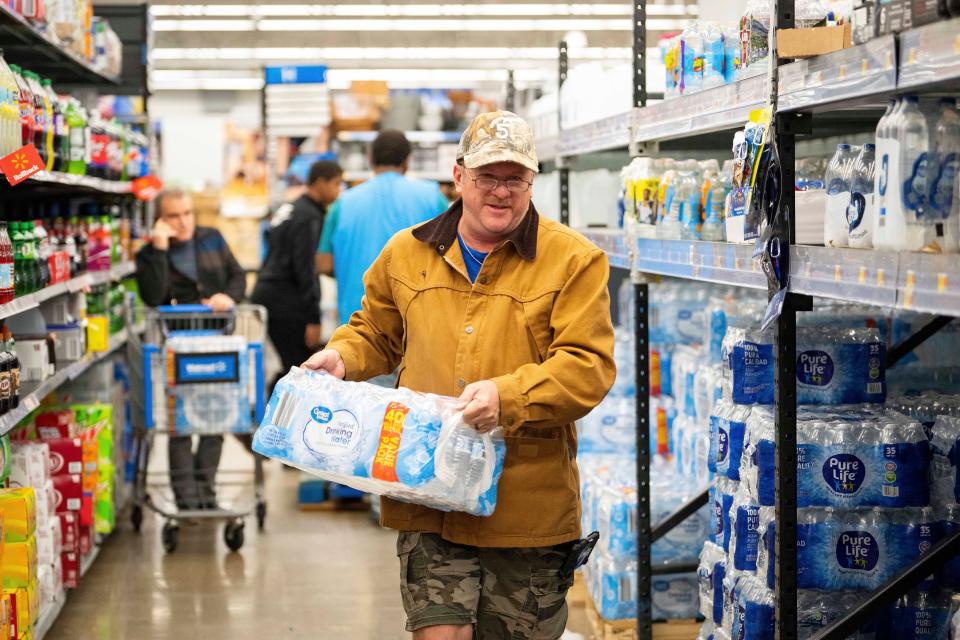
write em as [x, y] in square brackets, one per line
[219, 367]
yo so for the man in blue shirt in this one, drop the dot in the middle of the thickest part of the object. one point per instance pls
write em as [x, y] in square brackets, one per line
[360, 223]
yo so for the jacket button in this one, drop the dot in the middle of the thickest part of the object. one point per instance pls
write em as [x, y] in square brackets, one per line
[509, 421]
[469, 329]
[461, 383]
[484, 280]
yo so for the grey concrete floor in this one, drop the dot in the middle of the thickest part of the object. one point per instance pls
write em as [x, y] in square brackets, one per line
[309, 575]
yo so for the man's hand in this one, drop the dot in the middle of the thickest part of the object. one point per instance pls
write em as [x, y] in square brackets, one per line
[480, 403]
[327, 360]
[313, 337]
[219, 302]
[162, 232]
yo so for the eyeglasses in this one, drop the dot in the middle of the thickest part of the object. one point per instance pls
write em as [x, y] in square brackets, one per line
[513, 186]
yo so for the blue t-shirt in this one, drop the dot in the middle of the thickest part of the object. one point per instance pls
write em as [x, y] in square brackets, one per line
[472, 258]
[360, 223]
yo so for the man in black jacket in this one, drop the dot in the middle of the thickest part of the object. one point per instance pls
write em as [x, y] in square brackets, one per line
[287, 284]
[187, 264]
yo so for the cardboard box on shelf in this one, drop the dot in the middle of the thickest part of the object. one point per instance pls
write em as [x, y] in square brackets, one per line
[69, 492]
[60, 423]
[98, 333]
[86, 540]
[66, 456]
[70, 560]
[807, 43]
[69, 531]
[18, 513]
[30, 465]
[19, 564]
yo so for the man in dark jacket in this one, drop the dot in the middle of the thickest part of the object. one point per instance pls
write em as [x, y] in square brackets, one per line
[187, 264]
[287, 284]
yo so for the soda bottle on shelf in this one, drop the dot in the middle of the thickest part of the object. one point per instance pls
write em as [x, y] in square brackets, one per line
[11, 348]
[39, 115]
[80, 240]
[6, 380]
[6, 265]
[19, 269]
[56, 127]
[79, 138]
[43, 252]
[99, 147]
[30, 244]
[63, 146]
[28, 122]
[116, 248]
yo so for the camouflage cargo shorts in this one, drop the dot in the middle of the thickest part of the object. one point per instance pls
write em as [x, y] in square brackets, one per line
[515, 594]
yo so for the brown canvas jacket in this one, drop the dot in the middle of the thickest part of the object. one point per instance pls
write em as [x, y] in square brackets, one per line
[536, 322]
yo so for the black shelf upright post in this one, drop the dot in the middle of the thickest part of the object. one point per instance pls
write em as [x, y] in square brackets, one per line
[641, 314]
[785, 415]
[561, 167]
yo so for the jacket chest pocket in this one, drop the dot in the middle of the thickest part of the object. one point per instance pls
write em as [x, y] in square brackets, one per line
[537, 314]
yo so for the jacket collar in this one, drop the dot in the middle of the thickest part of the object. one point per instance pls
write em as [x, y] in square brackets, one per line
[442, 231]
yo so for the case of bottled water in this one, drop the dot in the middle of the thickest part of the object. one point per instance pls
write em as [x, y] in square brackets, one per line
[394, 442]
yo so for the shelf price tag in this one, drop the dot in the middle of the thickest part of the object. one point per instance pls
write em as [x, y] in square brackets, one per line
[910, 283]
[147, 188]
[881, 277]
[865, 66]
[837, 273]
[912, 55]
[21, 164]
[862, 275]
[888, 62]
[842, 73]
[941, 282]
[956, 45]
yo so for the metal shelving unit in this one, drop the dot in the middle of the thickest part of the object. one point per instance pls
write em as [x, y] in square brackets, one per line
[48, 617]
[24, 44]
[829, 93]
[33, 300]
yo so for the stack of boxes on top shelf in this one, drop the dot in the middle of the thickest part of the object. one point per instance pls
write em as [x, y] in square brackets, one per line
[863, 489]
[687, 324]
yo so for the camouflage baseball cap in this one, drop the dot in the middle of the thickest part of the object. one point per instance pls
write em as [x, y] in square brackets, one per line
[498, 136]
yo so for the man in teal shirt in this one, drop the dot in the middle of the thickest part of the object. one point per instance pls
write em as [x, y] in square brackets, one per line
[360, 223]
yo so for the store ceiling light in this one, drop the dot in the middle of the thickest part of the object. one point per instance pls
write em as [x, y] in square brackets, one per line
[279, 54]
[491, 26]
[415, 10]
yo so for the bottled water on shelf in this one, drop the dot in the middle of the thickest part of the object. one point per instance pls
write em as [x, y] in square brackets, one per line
[691, 56]
[942, 204]
[859, 223]
[838, 181]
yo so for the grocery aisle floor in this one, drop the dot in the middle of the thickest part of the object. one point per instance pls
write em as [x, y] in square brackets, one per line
[310, 575]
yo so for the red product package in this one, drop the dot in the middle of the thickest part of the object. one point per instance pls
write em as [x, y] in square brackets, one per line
[71, 568]
[69, 493]
[86, 539]
[86, 509]
[70, 530]
[53, 425]
[66, 456]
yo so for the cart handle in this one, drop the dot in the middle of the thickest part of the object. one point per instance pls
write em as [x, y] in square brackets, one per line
[184, 308]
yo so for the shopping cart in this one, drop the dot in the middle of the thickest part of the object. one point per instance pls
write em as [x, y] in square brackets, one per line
[197, 372]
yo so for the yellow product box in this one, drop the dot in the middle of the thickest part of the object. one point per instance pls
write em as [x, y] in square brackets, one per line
[98, 333]
[18, 508]
[33, 602]
[19, 610]
[19, 565]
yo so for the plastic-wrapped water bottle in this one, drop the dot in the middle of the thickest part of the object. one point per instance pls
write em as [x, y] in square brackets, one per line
[889, 226]
[913, 141]
[716, 187]
[691, 56]
[838, 181]
[859, 223]
[665, 191]
[919, 615]
[732, 48]
[942, 204]
[713, 56]
[675, 193]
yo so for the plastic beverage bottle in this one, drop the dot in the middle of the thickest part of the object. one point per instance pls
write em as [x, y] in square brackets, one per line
[79, 139]
[881, 148]
[859, 223]
[942, 202]
[754, 33]
[28, 122]
[671, 62]
[715, 195]
[6, 380]
[692, 212]
[889, 226]
[714, 54]
[39, 114]
[732, 48]
[35, 280]
[646, 187]
[64, 135]
[691, 57]
[6, 265]
[44, 251]
[670, 207]
[99, 145]
[55, 126]
[116, 253]
[665, 190]
[11, 348]
[913, 141]
[19, 271]
[838, 196]
[82, 241]
[9, 109]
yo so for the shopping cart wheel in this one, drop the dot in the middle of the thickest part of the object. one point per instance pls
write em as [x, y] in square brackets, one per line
[169, 537]
[136, 517]
[261, 515]
[233, 535]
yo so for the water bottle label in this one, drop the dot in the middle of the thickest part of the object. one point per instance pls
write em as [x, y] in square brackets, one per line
[943, 185]
[915, 186]
[856, 210]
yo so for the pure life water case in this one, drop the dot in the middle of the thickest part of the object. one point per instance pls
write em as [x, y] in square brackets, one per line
[394, 442]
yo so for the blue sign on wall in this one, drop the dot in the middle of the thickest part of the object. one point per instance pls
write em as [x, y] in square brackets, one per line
[207, 367]
[293, 74]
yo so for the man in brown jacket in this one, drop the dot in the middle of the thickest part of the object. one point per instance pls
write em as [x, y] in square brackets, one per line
[509, 311]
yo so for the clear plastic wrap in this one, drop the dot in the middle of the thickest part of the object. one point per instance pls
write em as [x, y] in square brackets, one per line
[728, 425]
[817, 610]
[945, 449]
[755, 619]
[674, 596]
[610, 427]
[767, 546]
[710, 575]
[744, 534]
[722, 493]
[834, 366]
[394, 442]
[846, 457]
[839, 550]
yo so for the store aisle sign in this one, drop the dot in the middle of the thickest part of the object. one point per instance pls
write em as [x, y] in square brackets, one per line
[291, 74]
[21, 164]
[147, 187]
